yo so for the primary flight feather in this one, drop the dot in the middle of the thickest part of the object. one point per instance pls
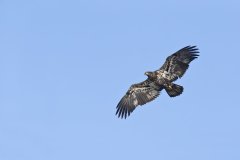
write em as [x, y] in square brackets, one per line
[141, 93]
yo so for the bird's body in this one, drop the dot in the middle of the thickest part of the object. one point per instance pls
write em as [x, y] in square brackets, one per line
[174, 67]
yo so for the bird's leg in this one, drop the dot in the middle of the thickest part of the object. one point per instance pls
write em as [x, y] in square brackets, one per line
[169, 85]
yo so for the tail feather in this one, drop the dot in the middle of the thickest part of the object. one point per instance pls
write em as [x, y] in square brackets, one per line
[174, 90]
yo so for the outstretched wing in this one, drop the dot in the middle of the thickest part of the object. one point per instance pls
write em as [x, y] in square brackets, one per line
[138, 94]
[176, 65]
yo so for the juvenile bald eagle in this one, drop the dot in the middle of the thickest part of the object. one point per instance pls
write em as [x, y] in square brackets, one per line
[141, 93]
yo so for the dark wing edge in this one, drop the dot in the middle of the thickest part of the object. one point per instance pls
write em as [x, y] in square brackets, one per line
[187, 54]
[177, 64]
[136, 95]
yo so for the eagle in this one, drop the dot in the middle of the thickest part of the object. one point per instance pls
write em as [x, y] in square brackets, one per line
[141, 93]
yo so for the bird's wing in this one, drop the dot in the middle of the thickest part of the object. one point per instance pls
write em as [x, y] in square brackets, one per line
[177, 64]
[138, 94]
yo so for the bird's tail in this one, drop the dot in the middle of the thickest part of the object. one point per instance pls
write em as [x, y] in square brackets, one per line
[173, 90]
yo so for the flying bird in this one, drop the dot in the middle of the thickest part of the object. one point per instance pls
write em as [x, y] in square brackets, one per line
[141, 93]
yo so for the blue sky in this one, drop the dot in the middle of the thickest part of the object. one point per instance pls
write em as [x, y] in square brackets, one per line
[64, 65]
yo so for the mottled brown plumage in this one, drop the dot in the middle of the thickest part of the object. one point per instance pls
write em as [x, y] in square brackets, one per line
[141, 93]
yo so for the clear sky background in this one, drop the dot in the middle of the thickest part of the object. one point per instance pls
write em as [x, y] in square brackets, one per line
[64, 66]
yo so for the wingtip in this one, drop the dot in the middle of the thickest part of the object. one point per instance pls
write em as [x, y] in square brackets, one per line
[191, 46]
[193, 50]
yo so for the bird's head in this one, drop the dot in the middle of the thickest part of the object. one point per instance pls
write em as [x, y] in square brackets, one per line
[149, 74]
